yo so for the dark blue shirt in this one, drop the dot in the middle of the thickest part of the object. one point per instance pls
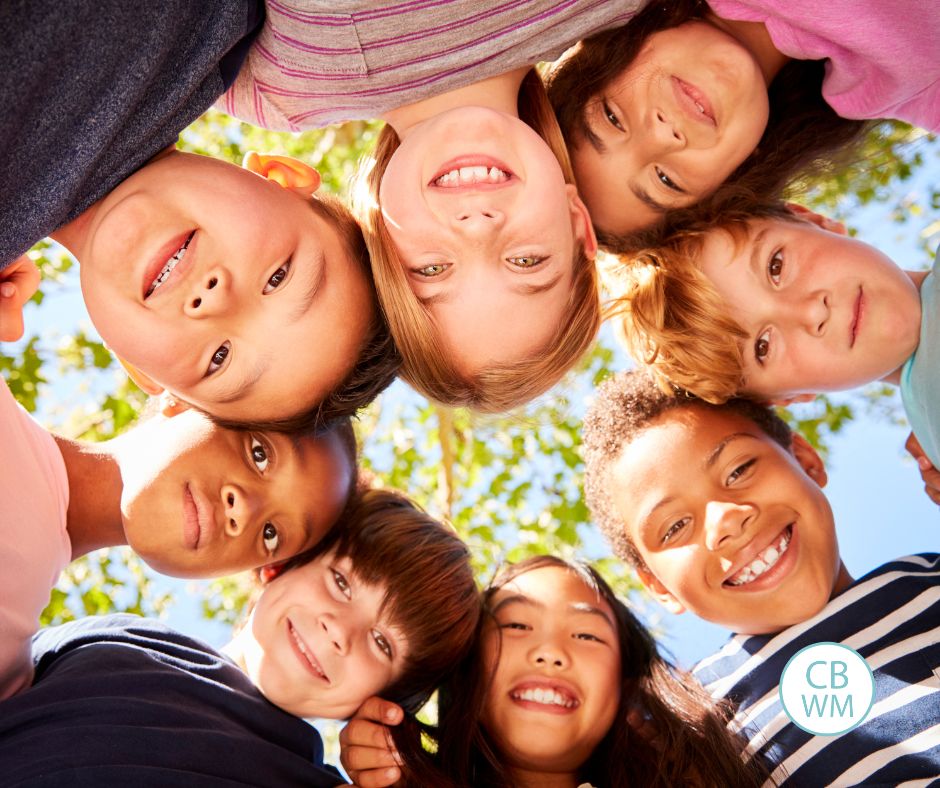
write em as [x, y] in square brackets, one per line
[125, 701]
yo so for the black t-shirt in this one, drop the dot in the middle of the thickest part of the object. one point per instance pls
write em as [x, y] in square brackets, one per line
[90, 90]
[125, 701]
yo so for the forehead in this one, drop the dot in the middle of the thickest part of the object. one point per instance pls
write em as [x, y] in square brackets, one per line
[550, 591]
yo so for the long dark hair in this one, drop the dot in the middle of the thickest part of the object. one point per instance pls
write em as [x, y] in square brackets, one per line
[691, 744]
[803, 132]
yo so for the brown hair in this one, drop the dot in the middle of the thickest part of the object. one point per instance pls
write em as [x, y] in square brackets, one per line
[624, 406]
[691, 743]
[432, 596]
[669, 315]
[803, 133]
[426, 364]
[378, 361]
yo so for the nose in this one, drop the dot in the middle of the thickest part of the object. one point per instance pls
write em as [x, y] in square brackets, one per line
[666, 131]
[812, 312]
[211, 294]
[240, 507]
[336, 632]
[725, 521]
[478, 220]
[549, 654]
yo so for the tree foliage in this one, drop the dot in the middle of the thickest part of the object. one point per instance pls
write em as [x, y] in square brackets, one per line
[510, 485]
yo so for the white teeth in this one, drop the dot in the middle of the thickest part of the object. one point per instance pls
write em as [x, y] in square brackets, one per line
[303, 650]
[170, 265]
[547, 697]
[467, 176]
[762, 562]
[700, 108]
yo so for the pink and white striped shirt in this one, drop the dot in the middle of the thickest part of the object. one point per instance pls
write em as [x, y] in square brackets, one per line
[318, 62]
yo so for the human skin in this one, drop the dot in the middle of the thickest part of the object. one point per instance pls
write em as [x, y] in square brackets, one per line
[479, 211]
[263, 286]
[738, 531]
[822, 312]
[318, 642]
[196, 500]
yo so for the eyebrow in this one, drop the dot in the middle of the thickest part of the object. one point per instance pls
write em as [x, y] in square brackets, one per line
[315, 276]
[596, 142]
[757, 251]
[716, 452]
[240, 389]
[523, 289]
[574, 607]
[645, 198]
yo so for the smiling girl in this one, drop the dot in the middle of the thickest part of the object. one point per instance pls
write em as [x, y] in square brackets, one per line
[687, 95]
[564, 688]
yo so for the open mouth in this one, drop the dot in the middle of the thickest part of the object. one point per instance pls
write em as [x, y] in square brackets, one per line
[553, 698]
[694, 101]
[192, 532]
[472, 172]
[763, 562]
[305, 654]
[164, 273]
[856, 318]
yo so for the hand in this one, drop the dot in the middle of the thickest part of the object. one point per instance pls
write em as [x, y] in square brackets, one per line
[18, 282]
[366, 749]
[928, 473]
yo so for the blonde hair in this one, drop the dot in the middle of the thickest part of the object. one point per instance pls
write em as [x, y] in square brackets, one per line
[426, 365]
[669, 316]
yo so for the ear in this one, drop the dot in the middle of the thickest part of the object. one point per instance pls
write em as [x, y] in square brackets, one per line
[147, 384]
[784, 401]
[170, 406]
[809, 459]
[659, 591]
[581, 222]
[290, 173]
[269, 572]
[823, 222]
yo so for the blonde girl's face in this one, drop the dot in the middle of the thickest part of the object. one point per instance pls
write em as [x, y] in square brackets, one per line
[551, 647]
[487, 231]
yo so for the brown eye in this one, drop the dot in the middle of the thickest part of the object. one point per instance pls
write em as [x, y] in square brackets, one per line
[775, 266]
[218, 358]
[762, 347]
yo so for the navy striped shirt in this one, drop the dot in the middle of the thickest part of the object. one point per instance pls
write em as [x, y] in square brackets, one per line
[891, 617]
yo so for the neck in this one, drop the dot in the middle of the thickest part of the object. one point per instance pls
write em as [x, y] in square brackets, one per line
[526, 778]
[94, 514]
[843, 581]
[754, 37]
[73, 234]
[500, 93]
[241, 646]
[917, 277]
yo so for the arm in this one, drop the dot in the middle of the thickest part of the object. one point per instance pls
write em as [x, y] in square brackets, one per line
[366, 749]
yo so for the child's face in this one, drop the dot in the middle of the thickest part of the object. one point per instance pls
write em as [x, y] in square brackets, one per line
[486, 227]
[670, 128]
[822, 312]
[264, 313]
[554, 656]
[202, 501]
[322, 642]
[731, 525]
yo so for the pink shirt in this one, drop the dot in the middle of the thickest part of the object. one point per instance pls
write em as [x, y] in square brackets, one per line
[883, 55]
[34, 544]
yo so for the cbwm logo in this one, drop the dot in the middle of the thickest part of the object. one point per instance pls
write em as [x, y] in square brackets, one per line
[827, 689]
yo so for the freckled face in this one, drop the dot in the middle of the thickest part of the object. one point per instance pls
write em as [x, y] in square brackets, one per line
[322, 643]
[220, 285]
[823, 312]
[553, 652]
[202, 501]
[731, 526]
[670, 128]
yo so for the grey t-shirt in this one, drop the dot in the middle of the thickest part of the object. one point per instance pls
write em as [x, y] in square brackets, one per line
[93, 89]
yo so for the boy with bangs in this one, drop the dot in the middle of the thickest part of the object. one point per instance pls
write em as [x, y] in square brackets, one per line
[721, 511]
[204, 279]
[386, 603]
[778, 306]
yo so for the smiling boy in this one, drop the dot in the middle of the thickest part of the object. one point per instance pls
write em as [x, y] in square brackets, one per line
[720, 509]
[768, 305]
[247, 297]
